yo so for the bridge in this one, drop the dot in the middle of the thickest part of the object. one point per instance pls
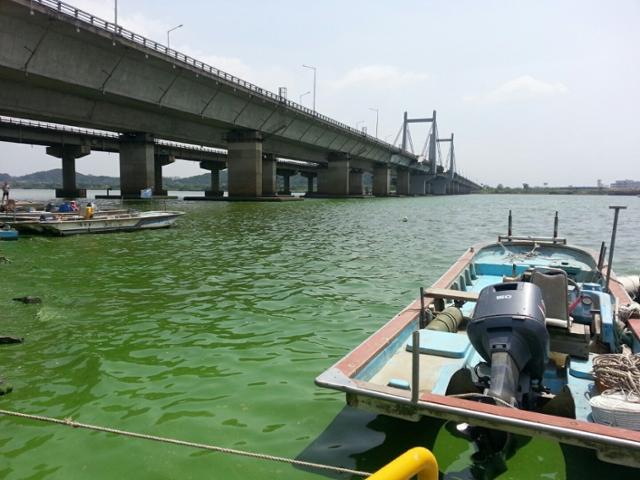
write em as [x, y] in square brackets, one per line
[61, 65]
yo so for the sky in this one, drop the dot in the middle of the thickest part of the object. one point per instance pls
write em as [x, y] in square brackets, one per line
[536, 92]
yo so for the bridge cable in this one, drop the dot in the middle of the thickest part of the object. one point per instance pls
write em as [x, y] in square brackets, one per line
[410, 140]
[71, 423]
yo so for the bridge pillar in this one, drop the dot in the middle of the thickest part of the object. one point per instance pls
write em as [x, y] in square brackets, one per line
[418, 184]
[244, 160]
[214, 167]
[334, 181]
[68, 154]
[439, 186]
[381, 180]
[356, 182]
[309, 176]
[160, 160]
[286, 176]
[269, 175]
[403, 182]
[137, 163]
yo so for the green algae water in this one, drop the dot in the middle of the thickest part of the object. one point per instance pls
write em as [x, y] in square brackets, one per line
[214, 330]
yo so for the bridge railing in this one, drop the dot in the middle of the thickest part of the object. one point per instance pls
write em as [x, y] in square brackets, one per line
[117, 30]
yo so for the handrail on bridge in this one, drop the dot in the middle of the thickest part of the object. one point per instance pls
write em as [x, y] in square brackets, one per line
[115, 29]
[417, 461]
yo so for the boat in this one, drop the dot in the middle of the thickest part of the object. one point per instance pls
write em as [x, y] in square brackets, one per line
[55, 224]
[7, 233]
[524, 335]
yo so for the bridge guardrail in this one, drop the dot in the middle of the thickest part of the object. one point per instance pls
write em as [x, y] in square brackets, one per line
[111, 27]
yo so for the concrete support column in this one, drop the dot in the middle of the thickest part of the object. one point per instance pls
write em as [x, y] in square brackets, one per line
[160, 160]
[381, 180]
[439, 186]
[245, 163]
[309, 177]
[269, 175]
[403, 179]
[286, 177]
[137, 163]
[356, 182]
[418, 184]
[214, 167]
[334, 181]
[68, 154]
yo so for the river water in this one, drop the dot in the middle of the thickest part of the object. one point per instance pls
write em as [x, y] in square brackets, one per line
[214, 330]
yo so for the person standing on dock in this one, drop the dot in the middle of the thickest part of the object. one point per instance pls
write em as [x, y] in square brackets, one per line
[5, 192]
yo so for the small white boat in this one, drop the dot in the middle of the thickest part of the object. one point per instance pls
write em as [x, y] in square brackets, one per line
[55, 224]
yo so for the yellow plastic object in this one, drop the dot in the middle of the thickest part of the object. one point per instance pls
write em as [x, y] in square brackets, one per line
[417, 461]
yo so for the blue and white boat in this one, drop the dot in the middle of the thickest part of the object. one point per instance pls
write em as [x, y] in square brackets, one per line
[7, 233]
[523, 336]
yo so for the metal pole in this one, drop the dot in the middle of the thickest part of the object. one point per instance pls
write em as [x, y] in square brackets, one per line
[404, 132]
[415, 367]
[555, 226]
[171, 30]
[314, 83]
[510, 225]
[115, 21]
[423, 320]
[612, 244]
[375, 110]
[603, 249]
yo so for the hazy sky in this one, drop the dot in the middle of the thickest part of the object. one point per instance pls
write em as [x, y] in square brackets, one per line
[544, 91]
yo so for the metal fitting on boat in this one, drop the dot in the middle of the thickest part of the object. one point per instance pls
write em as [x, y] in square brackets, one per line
[448, 320]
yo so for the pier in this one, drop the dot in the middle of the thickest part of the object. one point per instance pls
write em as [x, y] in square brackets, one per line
[67, 67]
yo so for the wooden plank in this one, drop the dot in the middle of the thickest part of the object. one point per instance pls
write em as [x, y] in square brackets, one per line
[451, 294]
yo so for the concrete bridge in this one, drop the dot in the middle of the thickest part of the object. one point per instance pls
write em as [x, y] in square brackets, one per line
[70, 143]
[60, 64]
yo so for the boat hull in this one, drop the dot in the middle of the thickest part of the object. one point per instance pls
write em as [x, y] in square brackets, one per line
[99, 224]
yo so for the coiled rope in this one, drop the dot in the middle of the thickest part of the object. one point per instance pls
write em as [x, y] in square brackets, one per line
[71, 423]
[618, 372]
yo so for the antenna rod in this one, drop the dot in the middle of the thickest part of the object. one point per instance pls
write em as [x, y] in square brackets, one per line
[612, 245]
[510, 224]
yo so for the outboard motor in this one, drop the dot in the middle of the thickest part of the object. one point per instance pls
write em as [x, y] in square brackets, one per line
[508, 330]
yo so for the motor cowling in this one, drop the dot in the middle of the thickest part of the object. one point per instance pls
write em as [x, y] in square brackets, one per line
[508, 330]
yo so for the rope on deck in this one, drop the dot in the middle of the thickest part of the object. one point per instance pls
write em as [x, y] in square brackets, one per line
[618, 372]
[71, 423]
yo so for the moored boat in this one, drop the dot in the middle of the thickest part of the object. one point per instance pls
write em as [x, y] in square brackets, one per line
[54, 224]
[7, 233]
[526, 335]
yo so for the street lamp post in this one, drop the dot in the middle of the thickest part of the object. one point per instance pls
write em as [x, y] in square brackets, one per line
[377, 112]
[115, 14]
[314, 84]
[305, 93]
[171, 30]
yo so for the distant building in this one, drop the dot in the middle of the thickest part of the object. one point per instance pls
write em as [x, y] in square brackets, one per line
[626, 185]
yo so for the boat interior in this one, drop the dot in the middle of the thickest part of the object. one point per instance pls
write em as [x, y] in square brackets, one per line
[461, 354]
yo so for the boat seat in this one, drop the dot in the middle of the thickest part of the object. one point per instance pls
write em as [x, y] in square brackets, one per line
[554, 286]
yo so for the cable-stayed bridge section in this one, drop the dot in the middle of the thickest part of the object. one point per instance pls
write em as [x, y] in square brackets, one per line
[62, 65]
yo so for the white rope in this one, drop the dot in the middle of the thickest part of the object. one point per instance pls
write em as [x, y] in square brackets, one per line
[618, 372]
[71, 423]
